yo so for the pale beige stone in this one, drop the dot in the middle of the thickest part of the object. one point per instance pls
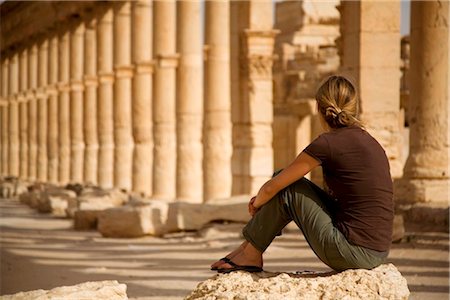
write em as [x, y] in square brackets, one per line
[123, 140]
[23, 113]
[427, 169]
[164, 112]
[383, 282]
[64, 107]
[217, 139]
[107, 290]
[90, 168]
[142, 97]
[4, 117]
[54, 201]
[42, 112]
[76, 102]
[53, 148]
[105, 98]
[13, 118]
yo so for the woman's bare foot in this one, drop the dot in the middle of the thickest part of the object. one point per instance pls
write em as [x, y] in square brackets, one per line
[230, 255]
[249, 256]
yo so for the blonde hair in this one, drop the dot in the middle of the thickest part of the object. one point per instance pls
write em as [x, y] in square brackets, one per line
[337, 101]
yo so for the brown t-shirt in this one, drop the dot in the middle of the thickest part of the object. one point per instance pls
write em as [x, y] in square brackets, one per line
[356, 171]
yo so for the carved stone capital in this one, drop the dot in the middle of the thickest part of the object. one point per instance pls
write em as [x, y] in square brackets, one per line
[257, 66]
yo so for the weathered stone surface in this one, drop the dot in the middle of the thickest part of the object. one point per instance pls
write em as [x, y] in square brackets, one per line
[54, 200]
[10, 186]
[383, 282]
[97, 199]
[399, 228]
[157, 217]
[136, 220]
[108, 290]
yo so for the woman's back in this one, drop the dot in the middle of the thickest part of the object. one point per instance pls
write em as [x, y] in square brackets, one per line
[356, 171]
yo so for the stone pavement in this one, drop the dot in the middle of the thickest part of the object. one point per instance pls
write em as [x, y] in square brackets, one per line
[40, 251]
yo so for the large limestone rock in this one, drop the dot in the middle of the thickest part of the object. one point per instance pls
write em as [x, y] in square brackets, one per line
[55, 201]
[157, 217]
[383, 282]
[107, 290]
[96, 199]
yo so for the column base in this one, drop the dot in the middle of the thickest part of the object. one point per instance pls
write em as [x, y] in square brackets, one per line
[422, 190]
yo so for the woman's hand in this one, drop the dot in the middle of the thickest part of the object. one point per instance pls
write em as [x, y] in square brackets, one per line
[251, 208]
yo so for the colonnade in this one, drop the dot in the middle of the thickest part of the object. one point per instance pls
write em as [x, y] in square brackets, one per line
[126, 94]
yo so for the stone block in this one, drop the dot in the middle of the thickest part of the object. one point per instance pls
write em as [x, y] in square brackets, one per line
[380, 50]
[378, 16]
[399, 228]
[101, 290]
[383, 282]
[134, 220]
[54, 200]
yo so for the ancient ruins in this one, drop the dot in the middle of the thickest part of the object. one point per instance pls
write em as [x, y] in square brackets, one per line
[159, 99]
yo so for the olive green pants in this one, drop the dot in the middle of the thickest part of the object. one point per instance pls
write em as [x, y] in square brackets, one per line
[308, 206]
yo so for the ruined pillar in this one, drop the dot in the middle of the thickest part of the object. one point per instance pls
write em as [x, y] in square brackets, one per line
[76, 102]
[189, 103]
[90, 103]
[123, 151]
[32, 111]
[52, 92]
[42, 133]
[142, 97]
[23, 113]
[164, 158]
[105, 97]
[217, 125]
[64, 106]
[426, 174]
[14, 143]
[371, 55]
[253, 110]
[4, 115]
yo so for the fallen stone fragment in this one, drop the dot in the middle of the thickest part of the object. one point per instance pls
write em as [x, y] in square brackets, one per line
[383, 282]
[96, 199]
[55, 201]
[100, 290]
[158, 217]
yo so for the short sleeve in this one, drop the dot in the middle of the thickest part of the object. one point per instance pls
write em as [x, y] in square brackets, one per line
[319, 149]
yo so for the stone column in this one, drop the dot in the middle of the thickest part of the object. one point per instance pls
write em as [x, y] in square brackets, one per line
[64, 106]
[217, 139]
[32, 111]
[76, 102]
[252, 133]
[123, 139]
[189, 104]
[14, 143]
[23, 113]
[142, 97]
[4, 116]
[90, 103]
[164, 159]
[105, 98]
[426, 174]
[371, 55]
[52, 92]
[42, 121]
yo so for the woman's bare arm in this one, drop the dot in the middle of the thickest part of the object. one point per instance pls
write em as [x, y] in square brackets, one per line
[303, 164]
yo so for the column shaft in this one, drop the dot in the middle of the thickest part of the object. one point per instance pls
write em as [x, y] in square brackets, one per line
[427, 174]
[14, 143]
[189, 105]
[4, 120]
[53, 148]
[32, 111]
[123, 151]
[217, 139]
[105, 98]
[42, 97]
[23, 114]
[142, 97]
[164, 166]
[76, 103]
[64, 107]
[90, 103]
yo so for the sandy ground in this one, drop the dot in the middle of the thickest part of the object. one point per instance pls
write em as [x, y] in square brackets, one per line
[40, 251]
